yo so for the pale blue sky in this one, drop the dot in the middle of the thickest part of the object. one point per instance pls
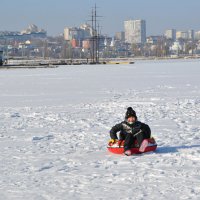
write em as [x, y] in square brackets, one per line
[54, 15]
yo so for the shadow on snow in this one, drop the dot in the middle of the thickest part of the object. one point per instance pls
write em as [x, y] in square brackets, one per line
[174, 149]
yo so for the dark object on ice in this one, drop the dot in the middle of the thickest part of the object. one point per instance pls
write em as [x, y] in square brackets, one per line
[1, 58]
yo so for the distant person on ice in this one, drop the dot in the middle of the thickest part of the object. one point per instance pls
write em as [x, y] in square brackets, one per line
[130, 130]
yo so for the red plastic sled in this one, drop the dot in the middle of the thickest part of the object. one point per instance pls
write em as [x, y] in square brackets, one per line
[118, 148]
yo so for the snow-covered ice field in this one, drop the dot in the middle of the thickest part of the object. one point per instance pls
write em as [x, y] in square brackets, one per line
[54, 129]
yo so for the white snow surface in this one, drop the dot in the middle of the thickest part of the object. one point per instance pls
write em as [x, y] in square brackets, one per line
[55, 123]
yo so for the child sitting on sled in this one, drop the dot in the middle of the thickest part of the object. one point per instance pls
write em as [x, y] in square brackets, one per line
[131, 130]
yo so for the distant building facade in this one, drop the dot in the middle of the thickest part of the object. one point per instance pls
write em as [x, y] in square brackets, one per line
[21, 37]
[32, 32]
[86, 44]
[182, 35]
[186, 35]
[120, 36]
[78, 33]
[176, 47]
[197, 35]
[170, 34]
[72, 33]
[154, 39]
[191, 34]
[135, 31]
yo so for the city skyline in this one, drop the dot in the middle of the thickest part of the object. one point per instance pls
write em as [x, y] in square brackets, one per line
[55, 16]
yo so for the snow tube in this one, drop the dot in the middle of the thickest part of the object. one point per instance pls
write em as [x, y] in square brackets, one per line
[118, 147]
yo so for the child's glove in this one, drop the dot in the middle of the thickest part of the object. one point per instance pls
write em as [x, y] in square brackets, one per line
[112, 141]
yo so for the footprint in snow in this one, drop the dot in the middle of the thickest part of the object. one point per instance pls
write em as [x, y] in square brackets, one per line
[45, 138]
[15, 115]
[49, 166]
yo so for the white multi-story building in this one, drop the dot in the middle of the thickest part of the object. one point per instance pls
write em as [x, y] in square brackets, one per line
[170, 34]
[186, 35]
[191, 34]
[182, 35]
[135, 31]
[72, 33]
[197, 35]
[84, 32]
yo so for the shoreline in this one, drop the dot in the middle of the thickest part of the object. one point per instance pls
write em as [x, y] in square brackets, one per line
[54, 63]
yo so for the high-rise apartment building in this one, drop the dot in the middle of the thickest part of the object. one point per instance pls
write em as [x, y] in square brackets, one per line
[170, 34]
[135, 31]
[191, 34]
